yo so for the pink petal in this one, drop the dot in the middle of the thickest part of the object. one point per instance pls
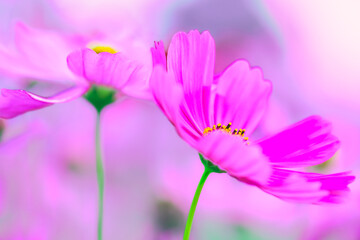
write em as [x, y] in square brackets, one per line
[167, 93]
[191, 59]
[241, 96]
[230, 153]
[16, 102]
[308, 187]
[180, 117]
[169, 97]
[138, 89]
[306, 143]
[38, 54]
[158, 54]
[336, 184]
[113, 70]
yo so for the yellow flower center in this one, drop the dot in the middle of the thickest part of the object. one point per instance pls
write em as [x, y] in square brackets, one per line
[227, 129]
[100, 49]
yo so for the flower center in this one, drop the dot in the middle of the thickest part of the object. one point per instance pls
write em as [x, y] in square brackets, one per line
[100, 49]
[227, 129]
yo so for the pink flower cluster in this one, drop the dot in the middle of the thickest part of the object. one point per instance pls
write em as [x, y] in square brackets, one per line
[215, 114]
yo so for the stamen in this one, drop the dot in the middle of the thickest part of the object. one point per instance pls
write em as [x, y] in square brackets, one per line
[207, 130]
[226, 128]
[242, 132]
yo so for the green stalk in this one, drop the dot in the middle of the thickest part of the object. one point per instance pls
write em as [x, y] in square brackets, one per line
[99, 97]
[194, 203]
[100, 177]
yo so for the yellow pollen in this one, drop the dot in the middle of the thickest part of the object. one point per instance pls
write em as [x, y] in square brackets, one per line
[226, 128]
[100, 49]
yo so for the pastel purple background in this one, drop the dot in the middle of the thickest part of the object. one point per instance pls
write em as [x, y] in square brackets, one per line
[310, 52]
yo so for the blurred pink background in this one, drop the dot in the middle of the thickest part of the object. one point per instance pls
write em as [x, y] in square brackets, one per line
[308, 49]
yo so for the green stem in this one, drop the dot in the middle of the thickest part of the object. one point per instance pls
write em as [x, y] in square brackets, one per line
[194, 203]
[100, 177]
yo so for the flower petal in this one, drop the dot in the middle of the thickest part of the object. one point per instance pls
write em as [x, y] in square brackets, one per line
[38, 54]
[162, 80]
[158, 54]
[16, 102]
[308, 187]
[230, 153]
[191, 60]
[113, 70]
[167, 93]
[306, 143]
[241, 96]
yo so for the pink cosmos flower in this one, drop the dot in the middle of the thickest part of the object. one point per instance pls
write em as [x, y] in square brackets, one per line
[217, 114]
[112, 69]
[116, 70]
